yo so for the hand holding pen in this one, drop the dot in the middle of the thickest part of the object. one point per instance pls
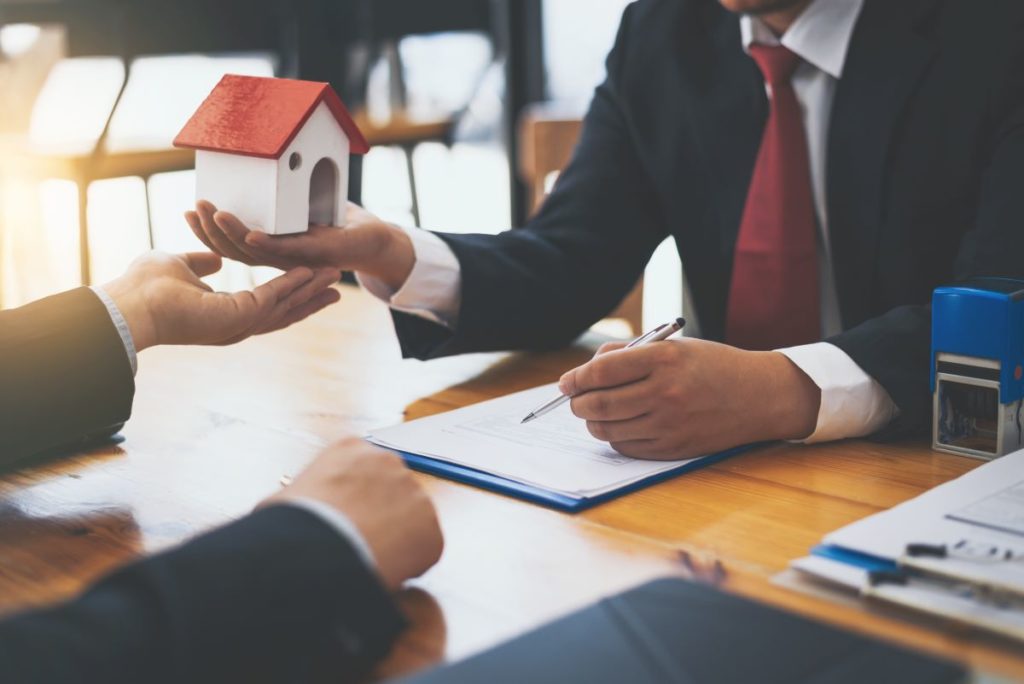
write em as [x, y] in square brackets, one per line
[682, 398]
[658, 334]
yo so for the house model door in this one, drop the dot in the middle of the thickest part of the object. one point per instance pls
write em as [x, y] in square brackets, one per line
[323, 193]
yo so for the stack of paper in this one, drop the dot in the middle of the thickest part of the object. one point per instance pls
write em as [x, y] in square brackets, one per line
[554, 453]
[955, 551]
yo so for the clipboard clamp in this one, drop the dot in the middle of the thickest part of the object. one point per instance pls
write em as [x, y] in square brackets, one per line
[926, 550]
[879, 577]
[963, 550]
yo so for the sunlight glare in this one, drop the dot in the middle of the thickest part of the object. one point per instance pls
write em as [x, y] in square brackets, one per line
[17, 39]
[74, 104]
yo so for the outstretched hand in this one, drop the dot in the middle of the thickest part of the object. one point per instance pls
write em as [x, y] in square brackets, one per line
[366, 244]
[164, 301]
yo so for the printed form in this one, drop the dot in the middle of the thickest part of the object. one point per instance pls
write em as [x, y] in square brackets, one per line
[555, 452]
[978, 518]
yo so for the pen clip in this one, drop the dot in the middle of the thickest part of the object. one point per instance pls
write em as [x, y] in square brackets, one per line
[646, 336]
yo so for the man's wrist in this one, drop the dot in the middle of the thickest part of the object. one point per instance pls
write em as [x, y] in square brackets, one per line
[117, 318]
[395, 258]
[432, 290]
[853, 404]
[792, 410]
[132, 304]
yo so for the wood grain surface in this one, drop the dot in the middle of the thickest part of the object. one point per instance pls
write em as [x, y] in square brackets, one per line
[215, 429]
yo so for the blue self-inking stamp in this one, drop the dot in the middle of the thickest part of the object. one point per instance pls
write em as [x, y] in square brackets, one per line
[977, 359]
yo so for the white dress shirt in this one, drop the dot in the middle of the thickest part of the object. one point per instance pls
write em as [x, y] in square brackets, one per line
[329, 514]
[852, 403]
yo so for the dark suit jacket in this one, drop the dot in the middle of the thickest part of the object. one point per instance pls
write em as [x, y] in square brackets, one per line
[272, 597]
[64, 375]
[925, 183]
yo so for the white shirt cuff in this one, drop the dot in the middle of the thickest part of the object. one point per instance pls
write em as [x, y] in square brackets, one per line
[340, 522]
[433, 289]
[853, 404]
[122, 326]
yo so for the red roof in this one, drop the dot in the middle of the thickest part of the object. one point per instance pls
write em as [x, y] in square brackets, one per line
[259, 117]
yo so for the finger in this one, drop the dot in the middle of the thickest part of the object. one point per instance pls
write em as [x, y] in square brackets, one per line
[234, 317]
[305, 247]
[202, 263]
[642, 428]
[300, 313]
[236, 231]
[192, 219]
[610, 346]
[617, 403]
[322, 279]
[292, 294]
[281, 288]
[222, 245]
[608, 370]
[254, 308]
[647, 449]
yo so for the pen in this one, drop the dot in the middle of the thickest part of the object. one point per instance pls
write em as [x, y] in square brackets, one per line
[656, 335]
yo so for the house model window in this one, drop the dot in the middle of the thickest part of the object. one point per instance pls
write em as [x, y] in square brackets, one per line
[274, 152]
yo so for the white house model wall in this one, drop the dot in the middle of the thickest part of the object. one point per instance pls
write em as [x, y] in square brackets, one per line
[316, 190]
[307, 185]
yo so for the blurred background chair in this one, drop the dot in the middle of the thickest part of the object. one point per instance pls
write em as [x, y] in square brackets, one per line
[386, 31]
[346, 42]
[93, 91]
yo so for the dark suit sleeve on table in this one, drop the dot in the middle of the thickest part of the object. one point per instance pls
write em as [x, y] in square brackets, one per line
[272, 597]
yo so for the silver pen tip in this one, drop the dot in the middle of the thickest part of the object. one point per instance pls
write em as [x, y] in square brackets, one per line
[527, 419]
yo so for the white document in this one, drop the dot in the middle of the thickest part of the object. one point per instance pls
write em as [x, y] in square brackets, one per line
[1003, 510]
[554, 452]
[977, 517]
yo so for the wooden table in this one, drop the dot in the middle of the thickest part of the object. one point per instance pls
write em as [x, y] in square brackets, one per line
[215, 429]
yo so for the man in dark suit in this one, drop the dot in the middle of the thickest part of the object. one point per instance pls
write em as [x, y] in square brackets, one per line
[301, 583]
[822, 166]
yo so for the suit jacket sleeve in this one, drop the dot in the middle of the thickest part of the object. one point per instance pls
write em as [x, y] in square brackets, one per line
[276, 596]
[65, 377]
[542, 285]
[895, 348]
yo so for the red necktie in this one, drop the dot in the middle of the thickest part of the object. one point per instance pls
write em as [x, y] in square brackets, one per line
[773, 301]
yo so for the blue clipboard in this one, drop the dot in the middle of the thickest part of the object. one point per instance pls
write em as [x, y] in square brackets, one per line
[547, 497]
[857, 559]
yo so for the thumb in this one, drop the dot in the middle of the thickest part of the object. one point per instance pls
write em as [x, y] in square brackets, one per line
[202, 263]
[567, 384]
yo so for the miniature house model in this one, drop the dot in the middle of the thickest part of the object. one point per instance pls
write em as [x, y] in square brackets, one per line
[274, 152]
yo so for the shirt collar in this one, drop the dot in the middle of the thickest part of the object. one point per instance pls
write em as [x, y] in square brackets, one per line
[819, 36]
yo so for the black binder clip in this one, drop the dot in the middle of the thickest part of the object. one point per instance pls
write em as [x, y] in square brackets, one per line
[927, 550]
[877, 577]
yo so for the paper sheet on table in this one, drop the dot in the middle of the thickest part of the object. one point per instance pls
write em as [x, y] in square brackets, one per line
[979, 516]
[554, 452]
